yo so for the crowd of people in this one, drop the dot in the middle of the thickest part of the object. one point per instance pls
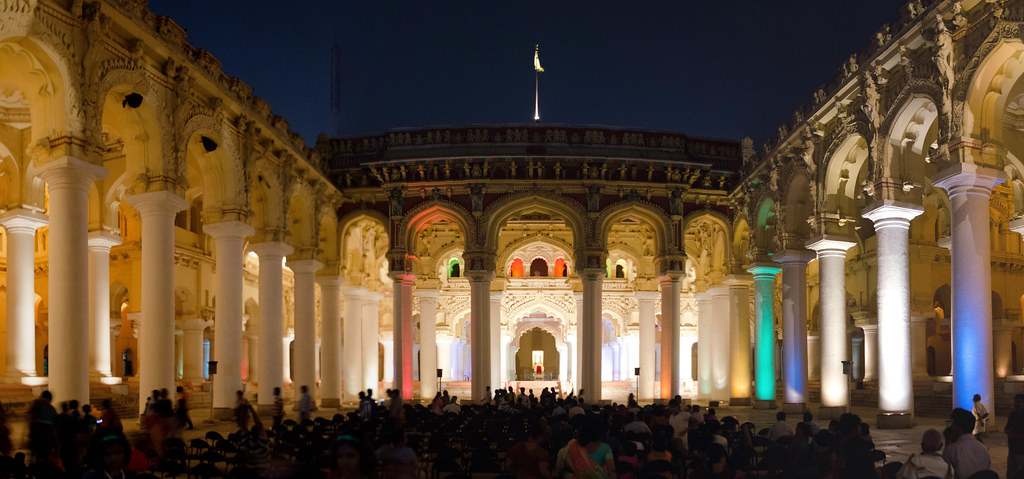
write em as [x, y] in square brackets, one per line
[514, 435]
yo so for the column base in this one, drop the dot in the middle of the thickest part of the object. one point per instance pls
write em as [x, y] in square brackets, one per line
[895, 420]
[794, 407]
[831, 412]
[35, 381]
[739, 401]
[223, 413]
[330, 402]
[110, 380]
[765, 404]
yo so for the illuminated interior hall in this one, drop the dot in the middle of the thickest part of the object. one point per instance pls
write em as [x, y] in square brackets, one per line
[158, 216]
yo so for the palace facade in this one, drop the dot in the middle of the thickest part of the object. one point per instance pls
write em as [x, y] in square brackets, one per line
[157, 216]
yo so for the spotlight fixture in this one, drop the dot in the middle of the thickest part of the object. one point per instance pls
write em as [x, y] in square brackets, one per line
[208, 144]
[132, 100]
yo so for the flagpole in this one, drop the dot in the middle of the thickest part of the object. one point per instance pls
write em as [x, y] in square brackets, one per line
[536, 96]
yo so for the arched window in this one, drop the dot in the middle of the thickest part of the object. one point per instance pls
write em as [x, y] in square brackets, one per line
[608, 268]
[516, 271]
[561, 270]
[454, 268]
[539, 267]
[620, 272]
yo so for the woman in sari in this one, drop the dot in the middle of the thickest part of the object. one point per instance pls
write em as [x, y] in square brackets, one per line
[588, 456]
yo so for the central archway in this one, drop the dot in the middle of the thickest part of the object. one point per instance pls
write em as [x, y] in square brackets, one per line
[537, 356]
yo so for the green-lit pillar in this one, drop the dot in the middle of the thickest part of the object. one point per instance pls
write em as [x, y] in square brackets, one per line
[764, 334]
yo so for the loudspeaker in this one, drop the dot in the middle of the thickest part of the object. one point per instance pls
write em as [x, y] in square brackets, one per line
[636, 371]
[439, 373]
[213, 367]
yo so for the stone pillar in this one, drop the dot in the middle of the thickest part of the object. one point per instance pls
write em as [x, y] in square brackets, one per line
[304, 354]
[330, 340]
[507, 358]
[1003, 344]
[646, 300]
[832, 276]
[895, 386]
[497, 364]
[870, 351]
[670, 320]
[764, 334]
[100, 243]
[227, 332]
[192, 344]
[589, 334]
[68, 181]
[253, 353]
[794, 327]
[563, 361]
[21, 227]
[352, 361]
[402, 330]
[970, 187]
[156, 330]
[480, 331]
[428, 342]
[388, 345]
[739, 334]
[919, 347]
[371, 340]
[572, 351]
[444, 356]
[721, 344]
[286, 355]
[704, 346]
[577, 353]
[813, 356]
[273, 362]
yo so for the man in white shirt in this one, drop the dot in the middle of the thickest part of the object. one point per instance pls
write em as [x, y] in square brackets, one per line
[964, 452]
[678, 418]
[636, 424]
[780, 428]
[453, 407]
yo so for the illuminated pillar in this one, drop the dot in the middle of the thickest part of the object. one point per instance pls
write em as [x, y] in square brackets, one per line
[428, 342]
[403, 333]
[444, 355]
[764, 334]
[813, 356]
[572, 351]
[670, 319]
[497, 362]
[304, 354]
[330, 340]
[100, 243]
[794, 327]
[721, 344]
[388, 345]
[870, 351]
[273, 362]
[739, 334]
[1003, 344]
[480, 329]
[286, 355]
[704, 346]
[833, 346]
[352, 351]
[156, 329]
[576, 352]
[646, 300]
[563, 361]
[895, 386]
[507, 369]
[589, 334]
[371, 341]
[252, 353]
[919, 346]
[192, 348]
[228, 237]
[21, 228]
[970, 187]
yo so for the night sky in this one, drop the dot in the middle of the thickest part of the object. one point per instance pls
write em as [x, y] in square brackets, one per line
[723, 69]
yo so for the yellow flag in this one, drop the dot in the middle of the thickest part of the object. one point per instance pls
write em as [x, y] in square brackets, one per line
[536, 60]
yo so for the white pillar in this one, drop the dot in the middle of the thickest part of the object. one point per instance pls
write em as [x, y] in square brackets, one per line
[563, 361]
[1002, 348]
[704, 346]
[572, 351]
[229, 237]
[832, 277]
[156, 330]
[895, 386]
[21, 293]
[577, 353]
[192, 346]
[388, 343]
[330, 340]
[68, 181]
[919, 346]
[273, 361]
[252, 375]
[813, 356]
[721, 344]
[428, 342]
[352, 363]
[687, 339]
[794, 327]
[100, 243]
[371, 341]
[589, 334]
[403, 333]
[507, 368]
[304, 357]
[444, 356]
[480, 329]
[670, 320]
[495, 343]
[739, 334]
[646, 300]
[970, 187]
[870, 351]
[286, 355]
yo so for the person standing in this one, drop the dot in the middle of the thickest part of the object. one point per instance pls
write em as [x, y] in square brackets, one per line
[278, 408]
[963, 451]
[182, 411]
[1015, 437]
[305, 404]
[980, 416]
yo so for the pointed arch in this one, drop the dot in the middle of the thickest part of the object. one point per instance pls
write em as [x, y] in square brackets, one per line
[428, 213]
[501, 211]
[642, 212]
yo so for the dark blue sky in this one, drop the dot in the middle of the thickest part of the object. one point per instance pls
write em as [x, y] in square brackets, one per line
[715, 68]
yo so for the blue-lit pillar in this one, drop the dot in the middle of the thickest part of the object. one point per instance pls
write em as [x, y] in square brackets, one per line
[970, 187]
[895, 383]
[794, 327]
[764, 334]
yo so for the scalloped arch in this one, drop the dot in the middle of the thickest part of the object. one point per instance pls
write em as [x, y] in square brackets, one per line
[654, 216]
[427, 213]
[499, 212]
